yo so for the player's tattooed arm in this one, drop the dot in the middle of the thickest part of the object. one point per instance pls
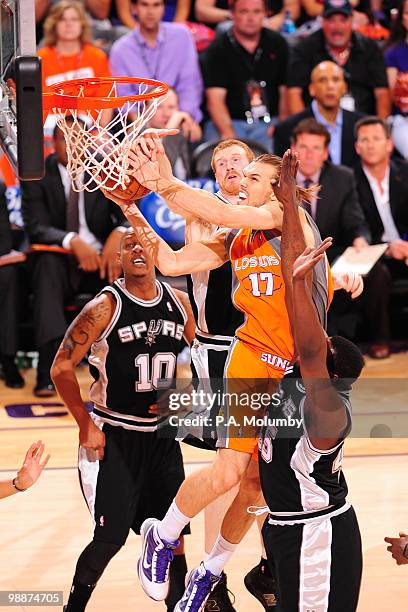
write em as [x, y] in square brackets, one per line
[84, 330]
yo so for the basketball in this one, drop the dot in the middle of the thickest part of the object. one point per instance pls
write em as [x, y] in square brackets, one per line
[133, 190]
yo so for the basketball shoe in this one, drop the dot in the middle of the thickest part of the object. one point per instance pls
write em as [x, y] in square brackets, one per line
[219, 598]
[154, 564]
[199, 584]
[262, 586]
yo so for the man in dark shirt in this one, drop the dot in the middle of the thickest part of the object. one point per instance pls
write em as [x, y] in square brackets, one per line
[244, 74]
[327, 87]
[361, 58]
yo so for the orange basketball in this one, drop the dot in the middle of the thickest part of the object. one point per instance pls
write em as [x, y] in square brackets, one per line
[133, 190]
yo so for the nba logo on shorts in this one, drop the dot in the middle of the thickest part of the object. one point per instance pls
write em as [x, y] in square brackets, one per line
[101, 521]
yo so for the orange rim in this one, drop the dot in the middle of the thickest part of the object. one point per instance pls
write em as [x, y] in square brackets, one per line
[65, 95]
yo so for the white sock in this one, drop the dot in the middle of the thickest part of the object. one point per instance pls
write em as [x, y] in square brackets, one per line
[219, 556]
[172, 525]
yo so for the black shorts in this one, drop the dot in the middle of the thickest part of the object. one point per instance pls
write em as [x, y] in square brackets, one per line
[317, 565]
[138, 478]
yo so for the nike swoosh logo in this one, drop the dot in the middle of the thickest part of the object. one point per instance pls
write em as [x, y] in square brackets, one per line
[146, 565]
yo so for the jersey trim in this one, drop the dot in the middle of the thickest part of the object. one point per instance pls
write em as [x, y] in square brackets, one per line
[322, 515]
[128, 421]
[146, 303]
[214, 341]
[177, 301]
[116, 314]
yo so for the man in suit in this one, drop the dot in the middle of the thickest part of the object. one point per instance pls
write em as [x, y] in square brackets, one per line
[327, 87]
[8, 302]
[336, 211]
[382, 185]
[89, 225]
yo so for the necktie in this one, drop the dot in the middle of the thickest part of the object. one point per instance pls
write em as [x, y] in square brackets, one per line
[72, 213]
[307, 205]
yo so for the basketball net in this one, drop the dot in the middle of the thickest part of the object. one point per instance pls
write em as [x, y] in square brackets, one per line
[98, 154]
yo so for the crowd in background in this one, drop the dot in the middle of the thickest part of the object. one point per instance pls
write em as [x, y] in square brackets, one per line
[328, 78]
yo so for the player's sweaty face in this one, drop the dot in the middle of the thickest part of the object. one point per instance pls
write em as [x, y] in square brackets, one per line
[256, 184]
[229, 164]
[133, 258]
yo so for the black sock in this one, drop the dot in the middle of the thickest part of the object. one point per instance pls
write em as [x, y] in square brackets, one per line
[264, 567]
[178, 571]
[79, 597]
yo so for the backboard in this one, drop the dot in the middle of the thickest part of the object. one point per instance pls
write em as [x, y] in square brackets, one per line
[21, 118]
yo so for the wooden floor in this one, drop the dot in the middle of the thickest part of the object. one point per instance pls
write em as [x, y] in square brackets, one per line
[43, 531]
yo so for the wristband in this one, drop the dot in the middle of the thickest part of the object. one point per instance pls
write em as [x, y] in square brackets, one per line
[16, 487]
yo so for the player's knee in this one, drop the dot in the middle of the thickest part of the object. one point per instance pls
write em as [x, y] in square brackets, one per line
[225, 478]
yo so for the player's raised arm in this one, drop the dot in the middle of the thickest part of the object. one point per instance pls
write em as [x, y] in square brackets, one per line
[83, 331]
[325, 413]
[195, 257]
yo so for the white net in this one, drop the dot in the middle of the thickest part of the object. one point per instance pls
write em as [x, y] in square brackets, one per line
[97, 153]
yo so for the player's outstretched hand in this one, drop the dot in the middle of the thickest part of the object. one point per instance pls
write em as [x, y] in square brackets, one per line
[398, 548]
[309, 258]
[91, 437]
[150, 141]
[32, 467]
[144, 168]
[285, 190]
[351, 282]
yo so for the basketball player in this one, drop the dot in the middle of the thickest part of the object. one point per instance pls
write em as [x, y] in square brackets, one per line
[312, 536]
[209, 290]
[129, 466]
[262, 350]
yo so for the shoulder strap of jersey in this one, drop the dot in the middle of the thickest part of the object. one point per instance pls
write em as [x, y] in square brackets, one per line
[176, 300]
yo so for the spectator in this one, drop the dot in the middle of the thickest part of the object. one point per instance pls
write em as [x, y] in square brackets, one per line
[383, 191]
[360, 57]
[213, 12]
[336, 210]
[164, 51]
[244, 74]
[68, 52]
[8, 302]
[396, 59]
[89, 225]
[177, 147]
[327, 87]
[29, 472]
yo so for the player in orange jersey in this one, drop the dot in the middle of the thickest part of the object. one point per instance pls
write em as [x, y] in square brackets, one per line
[263, 348]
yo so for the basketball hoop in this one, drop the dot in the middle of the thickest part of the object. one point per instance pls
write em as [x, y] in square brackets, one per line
[97, 154]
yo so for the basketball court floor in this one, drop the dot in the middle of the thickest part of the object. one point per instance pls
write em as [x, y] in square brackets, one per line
[43, 531]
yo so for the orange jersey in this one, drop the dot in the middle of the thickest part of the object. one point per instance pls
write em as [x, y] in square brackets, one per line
[260, 293]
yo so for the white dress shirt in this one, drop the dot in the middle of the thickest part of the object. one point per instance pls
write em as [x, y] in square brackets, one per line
[382, 202]
[84, 232]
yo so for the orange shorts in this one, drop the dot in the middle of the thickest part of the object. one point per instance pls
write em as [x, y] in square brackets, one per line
[251, 382]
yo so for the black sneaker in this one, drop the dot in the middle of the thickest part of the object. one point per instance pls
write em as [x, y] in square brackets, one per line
[262, 587]
[219, 599]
